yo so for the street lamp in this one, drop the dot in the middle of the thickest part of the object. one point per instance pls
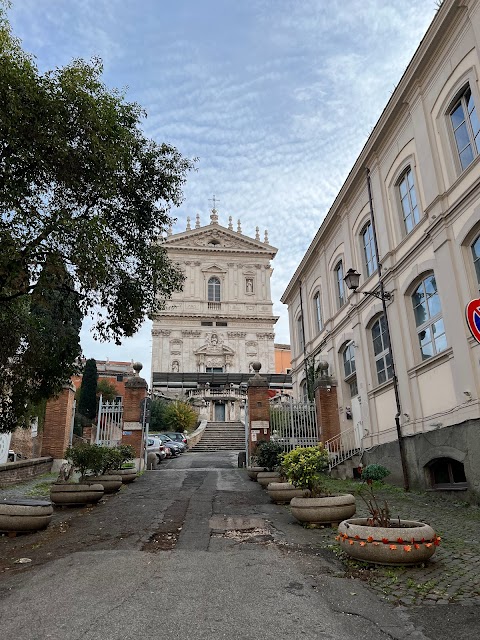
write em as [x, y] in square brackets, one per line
[352, 281]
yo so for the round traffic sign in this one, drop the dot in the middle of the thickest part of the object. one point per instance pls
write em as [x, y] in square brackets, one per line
[472, 313]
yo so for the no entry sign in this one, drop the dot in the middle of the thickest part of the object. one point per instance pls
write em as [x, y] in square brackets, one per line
[472, 313]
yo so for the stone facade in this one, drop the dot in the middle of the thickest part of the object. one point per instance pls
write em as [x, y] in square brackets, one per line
[423, 157]
[222, 321]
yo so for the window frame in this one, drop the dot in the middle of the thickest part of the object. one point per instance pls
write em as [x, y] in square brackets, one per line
[350, 378]
[214, 289]
[473, 140]
[340, 293]
[431, 320]
[371, 243]
[403, 177]
[382, 355]
[317, 311]
[300, 333]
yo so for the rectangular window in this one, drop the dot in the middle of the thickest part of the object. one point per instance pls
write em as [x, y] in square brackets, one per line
[206, 324]
[317, 310]
[213, 369]
[301, 341]
[369, 253]
[340, 284]
[408, 199]
[221, 324]
[120, 377]
[466, 127]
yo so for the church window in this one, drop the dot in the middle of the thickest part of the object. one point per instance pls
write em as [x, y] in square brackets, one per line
[214, 289]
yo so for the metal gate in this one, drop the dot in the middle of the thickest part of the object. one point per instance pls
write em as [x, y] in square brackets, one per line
[109, 423]
[294, 424]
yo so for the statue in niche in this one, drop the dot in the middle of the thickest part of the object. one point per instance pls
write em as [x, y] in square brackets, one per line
[249, 285]
[175, 366]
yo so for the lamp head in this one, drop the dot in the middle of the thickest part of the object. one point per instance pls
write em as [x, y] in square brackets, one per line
[352, 279]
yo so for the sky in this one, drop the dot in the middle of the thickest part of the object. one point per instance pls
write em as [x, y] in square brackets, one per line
[275, 98]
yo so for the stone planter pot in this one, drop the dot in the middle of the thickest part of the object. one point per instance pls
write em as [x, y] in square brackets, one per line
[63, 493]
[410, 543]
[127, 475]
[283, 492]
[24, 516]
[265, 477]
[252, 472]
[111, 483]
[327, 510]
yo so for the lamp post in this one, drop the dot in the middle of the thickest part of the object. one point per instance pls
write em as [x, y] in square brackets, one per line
[352, 281]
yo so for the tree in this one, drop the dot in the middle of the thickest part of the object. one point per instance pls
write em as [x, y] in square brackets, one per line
[107, 390]
[179, 416]
[87, 405]
[81, 186]
[158, 409]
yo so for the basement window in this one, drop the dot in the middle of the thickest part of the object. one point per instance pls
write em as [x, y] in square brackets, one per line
[222, 324]
[207, 324]
[446, 473]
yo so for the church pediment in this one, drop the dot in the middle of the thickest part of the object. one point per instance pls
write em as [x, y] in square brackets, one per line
[214, 345]
[215, 237]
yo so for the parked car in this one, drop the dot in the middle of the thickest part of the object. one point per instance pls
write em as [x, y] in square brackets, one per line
[177, 437]
[155, 445]
[175, 447]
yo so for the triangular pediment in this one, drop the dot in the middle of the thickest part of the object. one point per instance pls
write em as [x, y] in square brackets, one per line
[216, 237]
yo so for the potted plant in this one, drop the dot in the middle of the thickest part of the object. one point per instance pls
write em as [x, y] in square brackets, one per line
[102, 460]
[64, 491]
[120, 463]
[304, 467]
[381, 539]
[283, 491]
[268, 456]
[253, 467]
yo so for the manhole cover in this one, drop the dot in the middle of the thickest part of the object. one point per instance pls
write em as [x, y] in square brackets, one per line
[221, 524]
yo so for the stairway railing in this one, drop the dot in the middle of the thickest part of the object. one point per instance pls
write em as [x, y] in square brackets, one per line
[342, 447]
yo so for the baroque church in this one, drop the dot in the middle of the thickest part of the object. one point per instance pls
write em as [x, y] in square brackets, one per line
[208, 336]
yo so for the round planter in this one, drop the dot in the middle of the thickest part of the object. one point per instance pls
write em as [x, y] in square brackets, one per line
[24, 516]
[265, 477]
[75, 494]
[111, 483]
[252, 472]
[327, 510]
[410, 543]
[283, 492]
[127, 475]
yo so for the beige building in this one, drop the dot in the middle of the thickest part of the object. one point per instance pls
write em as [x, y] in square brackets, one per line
[210, 333]
[424, 162]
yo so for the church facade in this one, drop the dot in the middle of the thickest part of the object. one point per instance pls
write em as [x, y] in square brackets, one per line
[204, 342]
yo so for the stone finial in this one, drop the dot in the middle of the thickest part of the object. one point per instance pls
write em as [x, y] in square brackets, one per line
[170, 230]
[137, 367]
[257, 380]
[239, 226]
[197, 221]
[214, 216]
[256, 366]
[230, 225]
[257, 233]
[323, 368]
[189, 228]
[266, 237]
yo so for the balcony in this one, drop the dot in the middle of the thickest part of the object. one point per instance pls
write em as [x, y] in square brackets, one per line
[215, 306]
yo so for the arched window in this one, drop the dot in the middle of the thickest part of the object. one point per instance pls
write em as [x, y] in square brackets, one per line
[300, 336]
[340, 284]
[466, 127]
[304, 391]
[317, 312]
[428, 318]
[214, 289]
[408, 200]
[381, 352]
[350, 368]
[476, 258]
[446, 473]
[368, 245]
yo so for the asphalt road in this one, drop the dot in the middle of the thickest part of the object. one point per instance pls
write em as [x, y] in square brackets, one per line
[170, 556]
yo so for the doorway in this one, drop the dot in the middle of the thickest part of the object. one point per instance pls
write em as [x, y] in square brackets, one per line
[219, 412]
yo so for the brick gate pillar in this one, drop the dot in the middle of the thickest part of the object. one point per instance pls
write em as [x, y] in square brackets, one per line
[328, 421]
[135, 392]
[258, 410]
[57, 426]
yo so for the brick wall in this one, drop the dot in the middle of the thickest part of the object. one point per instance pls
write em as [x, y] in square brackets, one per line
[56, 430]
[258, 410]
[23, 443]
[23, 469]
[327, 410]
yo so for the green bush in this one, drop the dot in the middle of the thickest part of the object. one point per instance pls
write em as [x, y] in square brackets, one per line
[86, 458]
[179, 416]
[304, 467]
[268, 454]
[375, 472]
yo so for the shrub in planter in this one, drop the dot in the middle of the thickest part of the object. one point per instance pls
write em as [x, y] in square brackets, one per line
[304, 467]
[86, 458]
[268, 455]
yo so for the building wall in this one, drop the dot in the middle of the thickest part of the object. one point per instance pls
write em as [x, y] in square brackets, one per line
[283, 358]
[415, 135]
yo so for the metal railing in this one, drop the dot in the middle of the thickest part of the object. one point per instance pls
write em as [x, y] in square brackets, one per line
[109, 423]
[294, 424]
[343, 447]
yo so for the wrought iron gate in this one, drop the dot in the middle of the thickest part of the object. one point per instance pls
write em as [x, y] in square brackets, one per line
[294, 424]
[109, 423]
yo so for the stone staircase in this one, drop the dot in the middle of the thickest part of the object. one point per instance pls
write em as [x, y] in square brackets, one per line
[222, 436]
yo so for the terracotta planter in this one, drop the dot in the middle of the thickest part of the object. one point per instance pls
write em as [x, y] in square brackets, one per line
[24, 516]
[265, 477]
[111, 483]
[410, 543]
[63, 493]
[328, 510]
[252, 472]
[283, 492]
[127, 475]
